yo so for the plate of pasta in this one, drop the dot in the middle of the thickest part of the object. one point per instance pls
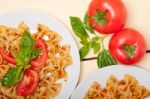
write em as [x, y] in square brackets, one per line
[115, 82]
[39, 58]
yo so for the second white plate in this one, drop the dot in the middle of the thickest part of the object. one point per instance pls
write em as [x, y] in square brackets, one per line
[101, 76]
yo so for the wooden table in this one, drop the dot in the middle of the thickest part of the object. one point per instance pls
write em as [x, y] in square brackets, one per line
[138, 18]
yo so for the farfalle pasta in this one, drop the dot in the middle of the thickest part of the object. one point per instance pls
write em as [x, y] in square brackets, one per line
[54, 69]
[127, 88]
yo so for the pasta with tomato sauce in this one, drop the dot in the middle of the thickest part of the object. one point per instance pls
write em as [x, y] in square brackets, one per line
[53, 69]
[127, 88]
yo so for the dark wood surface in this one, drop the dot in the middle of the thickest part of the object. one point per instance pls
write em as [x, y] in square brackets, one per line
[94, 58]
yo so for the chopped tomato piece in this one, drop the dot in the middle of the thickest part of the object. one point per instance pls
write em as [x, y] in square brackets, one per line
[40, 61]
[7, 56]
[28, 84]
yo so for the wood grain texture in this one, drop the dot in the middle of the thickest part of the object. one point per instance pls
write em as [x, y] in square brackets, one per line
[138, 18]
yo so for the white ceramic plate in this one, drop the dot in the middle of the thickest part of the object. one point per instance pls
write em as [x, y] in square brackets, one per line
[103, 74]
[32, 19]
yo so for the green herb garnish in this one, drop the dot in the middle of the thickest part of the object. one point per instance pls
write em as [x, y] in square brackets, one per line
[23, 57]
[105, 59]
[96, 43]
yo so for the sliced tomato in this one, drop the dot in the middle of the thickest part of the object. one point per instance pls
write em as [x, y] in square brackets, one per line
[7, 56]
[40, 61]
[28, 84]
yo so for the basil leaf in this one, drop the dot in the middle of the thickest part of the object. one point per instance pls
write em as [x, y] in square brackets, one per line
[84, 51]
[78, 28]
[35, 53]
[26, 49]
[18, 58]
[97, 39]
[105, 59]
[96, 46]
[85, 42]
[26, 46]
[27, 41]
[87, 24]
[27, 66]
[12, 76]
[27, 52]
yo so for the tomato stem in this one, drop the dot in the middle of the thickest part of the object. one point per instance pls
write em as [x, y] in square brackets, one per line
[130, 50]
[103, 42]
[99, 18]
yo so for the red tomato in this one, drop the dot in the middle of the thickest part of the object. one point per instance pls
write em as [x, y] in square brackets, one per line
[107, 16]
[40, 61]
[7, 57]
[127, 46]
[28, 84]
